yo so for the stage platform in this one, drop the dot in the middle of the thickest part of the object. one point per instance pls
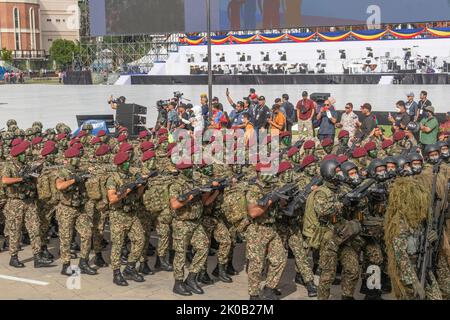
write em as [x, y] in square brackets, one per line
[380, 78]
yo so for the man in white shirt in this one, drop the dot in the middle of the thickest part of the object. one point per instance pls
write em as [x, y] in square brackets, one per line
[349, 120]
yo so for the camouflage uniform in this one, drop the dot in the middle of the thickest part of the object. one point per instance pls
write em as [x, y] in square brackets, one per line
[320, 227]
[187, 230]
[263, 242]
[20, 209]
[124, 221]
[70, 215]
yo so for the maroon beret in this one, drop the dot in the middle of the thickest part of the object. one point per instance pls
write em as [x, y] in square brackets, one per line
[61, 136]
[102, 150]
[78, 146]
[342, 158]
[387, 143]
[148, 155]
[36, 141]
[359, 152]
[73, 141]
[329, 157]
[120, 158]
[284, 166]
[101, 133]
[81, 134]
[49, 147]
[370, 146]
[162, 139]
[183, 166]
[72, 153]
[292, 151]
[16, 142]
[162, 131]
[310, 144]
[143, 134]
[122, 138]
[308, 160]
[125, 147]
[96, 140]
[262, 166]
[285, 134]
[20, 148]
[147, 145]
[399, 135]
[123, 129]
[343, 134]
[327, 142]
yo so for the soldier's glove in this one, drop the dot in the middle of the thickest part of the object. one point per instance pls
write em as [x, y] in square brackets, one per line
[351, 229]
[419, 291]
[432, 236]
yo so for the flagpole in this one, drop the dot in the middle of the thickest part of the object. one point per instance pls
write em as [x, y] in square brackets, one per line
[208, 36]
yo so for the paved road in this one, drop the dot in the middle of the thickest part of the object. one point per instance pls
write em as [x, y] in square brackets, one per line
[156, 287]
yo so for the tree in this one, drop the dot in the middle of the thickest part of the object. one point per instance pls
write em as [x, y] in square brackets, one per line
[6, 55]
[63, 51]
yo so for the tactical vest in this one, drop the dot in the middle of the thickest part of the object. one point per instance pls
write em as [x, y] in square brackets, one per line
[191, 212]
[132, 202]
[73, 196]
[24, 190]
[46, 188]
[234, 205]
[156, 197]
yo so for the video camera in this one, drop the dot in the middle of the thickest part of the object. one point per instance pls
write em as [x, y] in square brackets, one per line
[162, 103]
[178, 95]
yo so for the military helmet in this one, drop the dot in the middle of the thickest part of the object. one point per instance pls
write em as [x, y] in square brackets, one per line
[347, 166]
[13, 128]
[7, 136]
[328, 169]
[59, 127]
[37, 130]
[372, 168]
[401, 161]
[50, 131]
[11, 122]
[390, 159]
[431, 148]
[37, 124]
[19, 133]
[88, 127]
[414, 156]
[442, 144]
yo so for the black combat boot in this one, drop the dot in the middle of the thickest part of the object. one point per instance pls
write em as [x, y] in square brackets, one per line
[230, 269]
[85, 268]
[373, 294]
[124, 255]
[47, 254]
[65, 270]
[41, 262]
[192, 284]
[145, 269]
[268, 294]
[312, 289]
[203, 277]
[277, 292]
[118, 279]
[221, 273]
[99, 261]
[180, 288]
[14, 262]
[299, 279]
[163, 264]
[347, 298]
[130, 273]
[26, 239]
[386, 285]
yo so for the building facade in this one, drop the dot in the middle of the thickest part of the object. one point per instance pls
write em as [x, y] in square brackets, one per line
[29, 27]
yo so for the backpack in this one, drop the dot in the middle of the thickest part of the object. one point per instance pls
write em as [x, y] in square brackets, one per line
[156, 197]
[46, 188]
[234, 205]
[93, 189]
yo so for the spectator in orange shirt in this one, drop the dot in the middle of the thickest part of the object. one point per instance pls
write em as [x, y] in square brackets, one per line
[278, 120]
[446, 125]
[249, 129]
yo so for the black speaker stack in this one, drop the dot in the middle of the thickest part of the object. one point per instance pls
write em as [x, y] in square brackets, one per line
[133, 117]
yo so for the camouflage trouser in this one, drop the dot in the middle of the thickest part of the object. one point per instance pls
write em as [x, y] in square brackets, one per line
[164, 231]
[443, 275]
[263, 242]
[216, 227]
[187, 233]
[432, 291]
[123, 224]
[46, 213]
[17, 213]
[146, 222]
[68, 218]
[292, 237]
[305, 128]
[330, 252]
[100, 215]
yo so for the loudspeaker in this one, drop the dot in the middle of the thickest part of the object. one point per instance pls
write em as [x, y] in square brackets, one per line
[133, 117]
[131, 108]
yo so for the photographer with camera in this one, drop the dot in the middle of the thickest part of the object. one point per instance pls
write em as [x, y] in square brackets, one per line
[116, 103]
[172, 116]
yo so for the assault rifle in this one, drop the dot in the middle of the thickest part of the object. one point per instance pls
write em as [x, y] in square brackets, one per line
[228, 182]
[140, 181]
[286, 193]
[31, 171]
[428, 251]
[80, 177]
[297, 145]
[203, 189]
[357, 194]
[300, 197]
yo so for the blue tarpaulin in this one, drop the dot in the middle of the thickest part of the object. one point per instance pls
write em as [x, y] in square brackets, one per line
[97, 124]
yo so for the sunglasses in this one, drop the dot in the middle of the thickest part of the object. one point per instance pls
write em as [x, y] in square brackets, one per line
[326, 105]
